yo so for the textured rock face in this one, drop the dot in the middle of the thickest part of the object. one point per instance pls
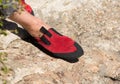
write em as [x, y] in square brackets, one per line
[95, 24]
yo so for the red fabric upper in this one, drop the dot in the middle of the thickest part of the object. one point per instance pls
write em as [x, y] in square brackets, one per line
[59, 44]
[26, 6]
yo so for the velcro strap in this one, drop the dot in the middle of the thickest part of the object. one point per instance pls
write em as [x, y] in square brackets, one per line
[45, 31]
[45, 40]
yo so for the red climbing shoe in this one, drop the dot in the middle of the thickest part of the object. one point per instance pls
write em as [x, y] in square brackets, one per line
[27, 7]
[58, 45]
[55, 44]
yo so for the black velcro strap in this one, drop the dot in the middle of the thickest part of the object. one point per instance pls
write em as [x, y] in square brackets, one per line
[44, 39]
[44, 31]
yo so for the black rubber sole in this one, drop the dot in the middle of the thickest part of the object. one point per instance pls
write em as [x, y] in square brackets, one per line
[69, 57]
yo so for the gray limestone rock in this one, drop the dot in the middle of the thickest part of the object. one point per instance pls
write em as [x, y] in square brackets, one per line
[94, 24]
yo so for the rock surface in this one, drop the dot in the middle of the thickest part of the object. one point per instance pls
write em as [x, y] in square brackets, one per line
[94, 24]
